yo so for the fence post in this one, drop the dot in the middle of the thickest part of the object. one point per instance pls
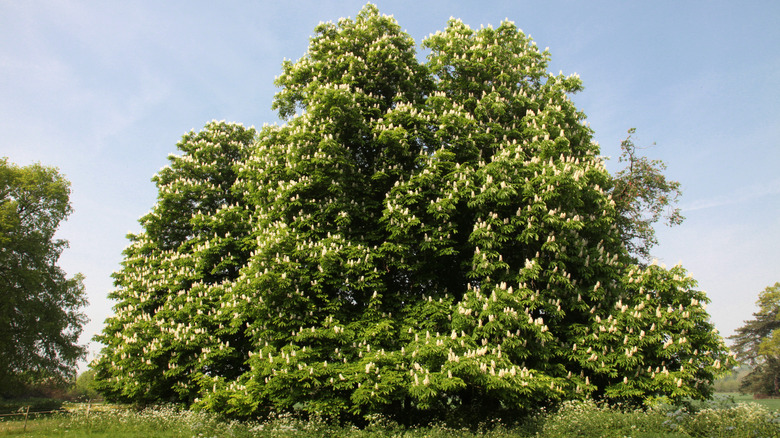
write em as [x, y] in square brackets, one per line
[26, 413]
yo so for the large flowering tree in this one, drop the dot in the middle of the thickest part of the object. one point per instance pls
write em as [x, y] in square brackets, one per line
[417, 238]
[175, 274]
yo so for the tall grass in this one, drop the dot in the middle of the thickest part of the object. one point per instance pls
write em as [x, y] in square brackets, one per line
[573, 419]
[719, 419]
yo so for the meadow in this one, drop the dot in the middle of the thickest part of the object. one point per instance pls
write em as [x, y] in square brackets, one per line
[722, 417]
[770, 403]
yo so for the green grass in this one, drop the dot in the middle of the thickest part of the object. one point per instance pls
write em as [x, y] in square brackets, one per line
[769, 403]
[721, 418]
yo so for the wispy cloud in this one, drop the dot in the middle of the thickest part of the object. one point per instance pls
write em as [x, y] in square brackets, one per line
[744, 194]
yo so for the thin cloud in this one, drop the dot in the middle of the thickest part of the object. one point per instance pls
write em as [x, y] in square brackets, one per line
[745, 194]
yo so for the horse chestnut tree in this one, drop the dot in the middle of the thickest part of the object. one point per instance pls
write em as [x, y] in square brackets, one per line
[416, 240]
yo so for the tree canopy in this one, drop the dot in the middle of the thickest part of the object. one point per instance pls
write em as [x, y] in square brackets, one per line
[40, 318]
[757, 343]
[417, 240]
[643, 196]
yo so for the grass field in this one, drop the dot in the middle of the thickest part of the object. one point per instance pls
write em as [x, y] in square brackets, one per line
[769, 403]
[720, 418]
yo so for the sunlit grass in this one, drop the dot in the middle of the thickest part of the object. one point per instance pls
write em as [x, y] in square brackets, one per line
[769, 403]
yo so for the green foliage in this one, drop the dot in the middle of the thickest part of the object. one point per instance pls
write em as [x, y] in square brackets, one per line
[84, 387]
[643, 196]
[40, 321]
[581, 419]
[419, 241]
[194, 243]
[589, 419]
[731, 382]
[757, 343]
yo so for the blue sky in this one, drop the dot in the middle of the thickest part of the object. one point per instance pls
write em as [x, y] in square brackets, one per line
[104, 90]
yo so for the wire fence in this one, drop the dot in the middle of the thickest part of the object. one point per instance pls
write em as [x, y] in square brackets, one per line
[27, 413]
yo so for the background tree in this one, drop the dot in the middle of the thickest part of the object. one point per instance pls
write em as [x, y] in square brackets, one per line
[643, 196]
[40, 318]
[757, 343]
[424, 240]
[83, 387]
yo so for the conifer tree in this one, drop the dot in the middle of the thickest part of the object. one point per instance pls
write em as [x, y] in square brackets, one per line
[417, 240]
[757, 343]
